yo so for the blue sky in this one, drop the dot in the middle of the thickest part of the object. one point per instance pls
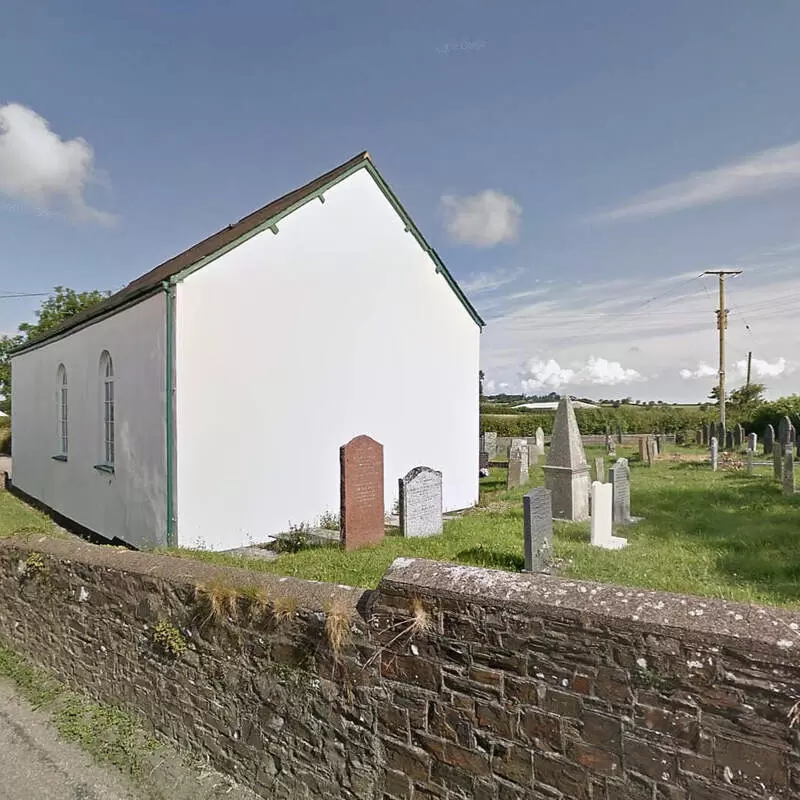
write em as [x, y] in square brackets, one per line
[545, 148]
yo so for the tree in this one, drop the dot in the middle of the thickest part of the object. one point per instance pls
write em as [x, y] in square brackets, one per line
[61, 305]
[746, 399]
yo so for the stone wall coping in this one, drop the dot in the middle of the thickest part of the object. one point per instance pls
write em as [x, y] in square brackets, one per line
[311, 595]
[546, 596]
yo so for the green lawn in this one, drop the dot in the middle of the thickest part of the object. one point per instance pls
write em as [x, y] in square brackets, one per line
[723, 534]
[18, 518]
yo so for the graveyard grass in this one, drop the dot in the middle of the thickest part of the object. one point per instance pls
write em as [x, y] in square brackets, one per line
[720, 534]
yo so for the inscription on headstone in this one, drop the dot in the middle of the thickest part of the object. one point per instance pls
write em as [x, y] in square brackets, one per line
[619, 477]
[517, 464]
[537, 512]
[361, 492]
[421, 502]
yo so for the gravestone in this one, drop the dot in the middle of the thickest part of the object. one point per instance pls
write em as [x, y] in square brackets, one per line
[714, 453]
[611, 447]
[599, 468]
[619, 433]
[742, 434]
[517, 464]
[537, 513]
[619, 476]
[792, 433]
[489, 443]
[361, 492]
[698, 437]
[517, 441]
[777, 461]
[483, 460]
[752, 442]
[655, 450]
[649, 447]
[601, 524]
[729, 442]
[421, 502]
[642, 449]
[533, 454]
[783, 430]
[539, 434]
[748, 460]
[736, 438]
[769, 439]
[788, 471]
[566, 472]
[659, 445]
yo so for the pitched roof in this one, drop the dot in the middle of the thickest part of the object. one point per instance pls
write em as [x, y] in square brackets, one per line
[152, 281]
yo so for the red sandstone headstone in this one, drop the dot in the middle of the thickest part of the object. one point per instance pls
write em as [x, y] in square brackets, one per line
[362, 520]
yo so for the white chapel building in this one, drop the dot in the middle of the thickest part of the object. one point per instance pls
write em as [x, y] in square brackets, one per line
[205, 403]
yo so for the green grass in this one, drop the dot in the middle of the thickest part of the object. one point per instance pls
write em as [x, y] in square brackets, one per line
[723, 534]
[18, 518]
[110, 734]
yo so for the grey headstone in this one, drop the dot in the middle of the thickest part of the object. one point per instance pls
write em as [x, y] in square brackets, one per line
[698, 437]
[714, 453]
[537, 512]
[643, 449]
[777, 461]
[533, 454]
[660, 445]
[788, 471]
[566, 472]
[517, 464]
[421, 502]
[650, 447]
[489, 443]
[752, 442]
[729, 441]
[769, 439]
[784, 427]
[599, 468]
[619, 476]
[539, 434]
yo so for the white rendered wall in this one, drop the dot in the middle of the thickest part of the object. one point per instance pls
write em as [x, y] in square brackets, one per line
[131, 504]
[292, 344]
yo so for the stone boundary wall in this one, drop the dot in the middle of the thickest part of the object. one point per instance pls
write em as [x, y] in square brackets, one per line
[631, 439]
[455, 682]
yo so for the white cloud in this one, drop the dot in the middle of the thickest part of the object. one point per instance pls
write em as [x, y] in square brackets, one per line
[540, 374]
[482, 219]
[703, 371]
[764, 369]
[769, 170]
[39, 168]
[489, 281]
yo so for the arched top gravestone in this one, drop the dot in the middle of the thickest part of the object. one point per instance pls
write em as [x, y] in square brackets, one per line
[361, 492]
[421, 502]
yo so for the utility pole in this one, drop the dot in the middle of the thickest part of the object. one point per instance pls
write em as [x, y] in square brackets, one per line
[749, 361]
[722, 324]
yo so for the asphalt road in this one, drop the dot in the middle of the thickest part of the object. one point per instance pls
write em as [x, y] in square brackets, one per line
[36, 765]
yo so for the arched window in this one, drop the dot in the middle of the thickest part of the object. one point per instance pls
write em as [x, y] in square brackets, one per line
[107, 378]
[62, 410]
